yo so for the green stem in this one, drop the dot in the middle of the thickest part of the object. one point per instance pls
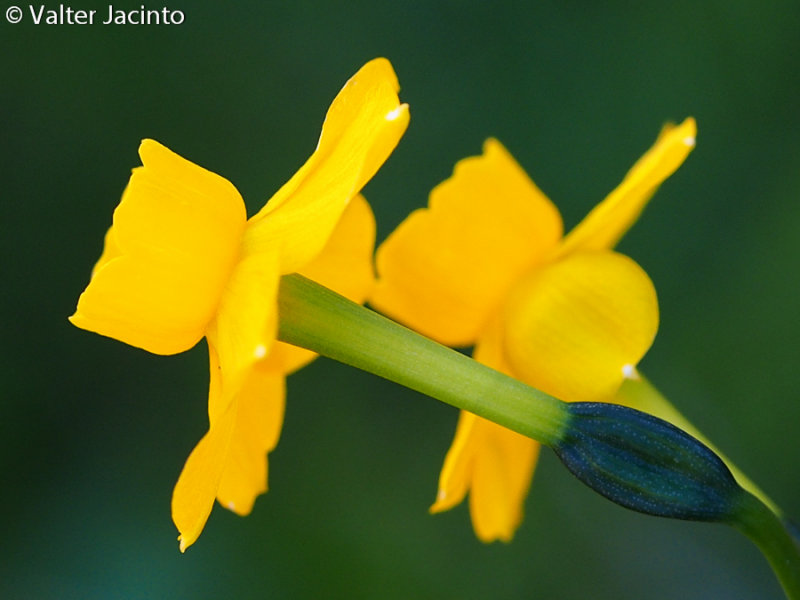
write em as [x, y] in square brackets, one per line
[316, 318]
[766, 530]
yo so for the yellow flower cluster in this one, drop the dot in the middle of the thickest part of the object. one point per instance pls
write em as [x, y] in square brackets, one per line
[485, 265]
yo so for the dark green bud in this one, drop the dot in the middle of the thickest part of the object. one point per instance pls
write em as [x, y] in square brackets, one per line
[646, 464]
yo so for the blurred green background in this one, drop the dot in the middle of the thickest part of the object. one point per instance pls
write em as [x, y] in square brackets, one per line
[94, 433]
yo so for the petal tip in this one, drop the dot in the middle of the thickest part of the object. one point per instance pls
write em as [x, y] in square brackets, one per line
[80, 321]
[148, 146]
[185, 540]
[491, 144]
[436, 508]
[444, 501]
[629, 372]
[397, 113]
[689, 130]
[384, 67]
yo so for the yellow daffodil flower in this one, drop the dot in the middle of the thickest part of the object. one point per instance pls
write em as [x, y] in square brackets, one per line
[181, 262]
[486, 265]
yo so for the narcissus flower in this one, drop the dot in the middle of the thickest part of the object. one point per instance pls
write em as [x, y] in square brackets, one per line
[486, 265]
[181, 262]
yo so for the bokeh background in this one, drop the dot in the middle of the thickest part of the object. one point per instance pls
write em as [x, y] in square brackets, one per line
[93, 433]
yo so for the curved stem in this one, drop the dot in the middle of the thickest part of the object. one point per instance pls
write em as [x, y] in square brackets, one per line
[766, 530]
[316, 318]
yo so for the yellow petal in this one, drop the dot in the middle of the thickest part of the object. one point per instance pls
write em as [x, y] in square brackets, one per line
[446, 268]
[238, 339]
[344, 265]
[456, 476]
[175, 238]
[197, 485]
[362, 127]
[608, 221]
[246, 323]
[494, 463]
[496, 466]
[502, 476]
[574, 328]
[258, 425]
[504, 471]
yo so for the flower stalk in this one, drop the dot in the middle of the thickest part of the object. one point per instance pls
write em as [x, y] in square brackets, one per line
[636, 460]
[767, 531]
[318, 319]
